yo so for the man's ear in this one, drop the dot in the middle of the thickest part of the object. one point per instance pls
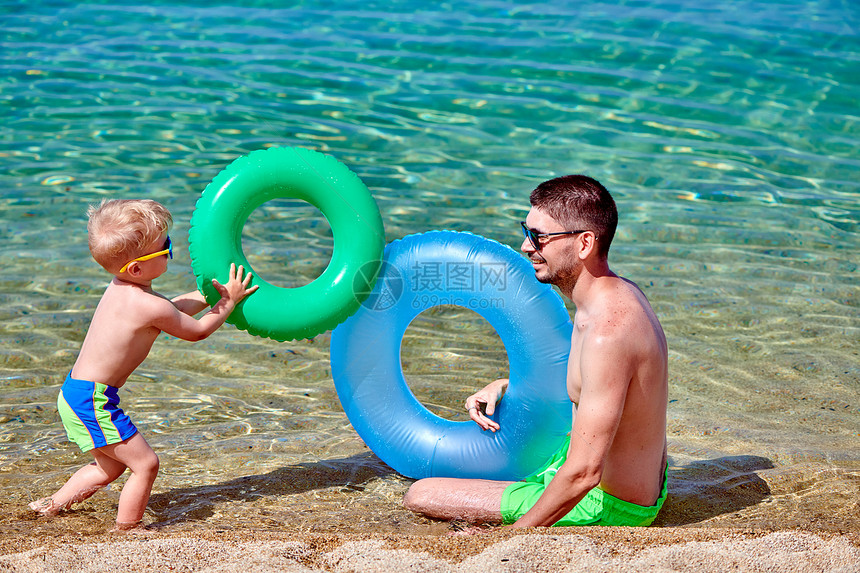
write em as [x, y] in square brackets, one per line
[587, 244]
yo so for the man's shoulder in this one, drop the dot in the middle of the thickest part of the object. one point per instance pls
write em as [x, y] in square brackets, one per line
[621, 298]
[624, 313]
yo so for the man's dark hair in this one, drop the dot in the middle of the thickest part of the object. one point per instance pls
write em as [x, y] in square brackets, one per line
[579, 202]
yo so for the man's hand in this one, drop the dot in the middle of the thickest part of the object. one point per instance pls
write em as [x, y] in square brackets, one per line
[482, 404]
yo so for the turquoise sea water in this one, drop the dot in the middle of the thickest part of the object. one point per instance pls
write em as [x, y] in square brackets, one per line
[727, 132]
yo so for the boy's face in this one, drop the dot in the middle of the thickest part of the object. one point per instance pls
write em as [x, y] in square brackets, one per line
[153, 264]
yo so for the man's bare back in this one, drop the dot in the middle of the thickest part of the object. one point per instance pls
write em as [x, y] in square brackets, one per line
[624, 324]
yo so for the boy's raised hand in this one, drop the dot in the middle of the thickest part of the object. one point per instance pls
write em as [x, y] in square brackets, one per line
[237, 286]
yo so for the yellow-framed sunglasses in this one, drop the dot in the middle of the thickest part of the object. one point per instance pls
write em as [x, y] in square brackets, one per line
[167, 250]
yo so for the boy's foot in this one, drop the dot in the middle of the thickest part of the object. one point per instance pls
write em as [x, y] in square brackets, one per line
[132, 529]
[45, 506]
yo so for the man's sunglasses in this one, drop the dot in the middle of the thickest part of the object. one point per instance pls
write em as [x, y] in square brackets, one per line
[167, 250]
[535, 238]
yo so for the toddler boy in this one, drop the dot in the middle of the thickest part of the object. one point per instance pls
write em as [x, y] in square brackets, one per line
[129, 239]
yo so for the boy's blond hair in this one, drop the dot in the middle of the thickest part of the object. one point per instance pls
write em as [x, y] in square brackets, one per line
[121, 229]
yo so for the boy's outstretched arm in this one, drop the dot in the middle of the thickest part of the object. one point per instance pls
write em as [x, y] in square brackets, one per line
[172, 320]
[190, 303]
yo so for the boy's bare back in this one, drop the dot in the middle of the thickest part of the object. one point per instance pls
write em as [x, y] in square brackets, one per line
[121, 334]
[130, 316]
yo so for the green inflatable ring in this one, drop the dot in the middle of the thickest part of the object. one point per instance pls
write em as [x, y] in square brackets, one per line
[221, 212]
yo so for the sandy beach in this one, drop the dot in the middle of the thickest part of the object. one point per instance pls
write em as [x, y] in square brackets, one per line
[590, 549]
[688, 536]
[339, 516]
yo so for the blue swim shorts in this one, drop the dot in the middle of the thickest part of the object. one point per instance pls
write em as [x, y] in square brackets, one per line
[91, 414]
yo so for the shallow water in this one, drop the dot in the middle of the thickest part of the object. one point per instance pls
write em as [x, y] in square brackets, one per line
[727, 133]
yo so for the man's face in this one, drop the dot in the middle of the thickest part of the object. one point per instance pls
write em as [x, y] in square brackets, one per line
[556, 262]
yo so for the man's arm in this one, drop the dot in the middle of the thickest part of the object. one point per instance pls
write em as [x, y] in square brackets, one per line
[605, 375]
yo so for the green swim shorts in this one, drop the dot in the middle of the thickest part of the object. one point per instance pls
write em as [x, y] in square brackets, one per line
[596, 508]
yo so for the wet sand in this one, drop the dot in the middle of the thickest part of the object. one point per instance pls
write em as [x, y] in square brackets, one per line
[738, 515]
[592, 549]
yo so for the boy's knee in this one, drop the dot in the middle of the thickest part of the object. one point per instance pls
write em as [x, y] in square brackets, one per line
[148, 466]
[154, 464]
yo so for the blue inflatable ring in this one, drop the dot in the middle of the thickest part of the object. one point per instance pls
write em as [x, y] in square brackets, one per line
[533, 324]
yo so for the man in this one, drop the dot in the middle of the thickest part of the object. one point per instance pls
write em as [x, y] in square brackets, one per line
[612, 470]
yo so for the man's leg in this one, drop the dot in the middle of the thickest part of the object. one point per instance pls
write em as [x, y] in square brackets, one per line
[474, 500]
